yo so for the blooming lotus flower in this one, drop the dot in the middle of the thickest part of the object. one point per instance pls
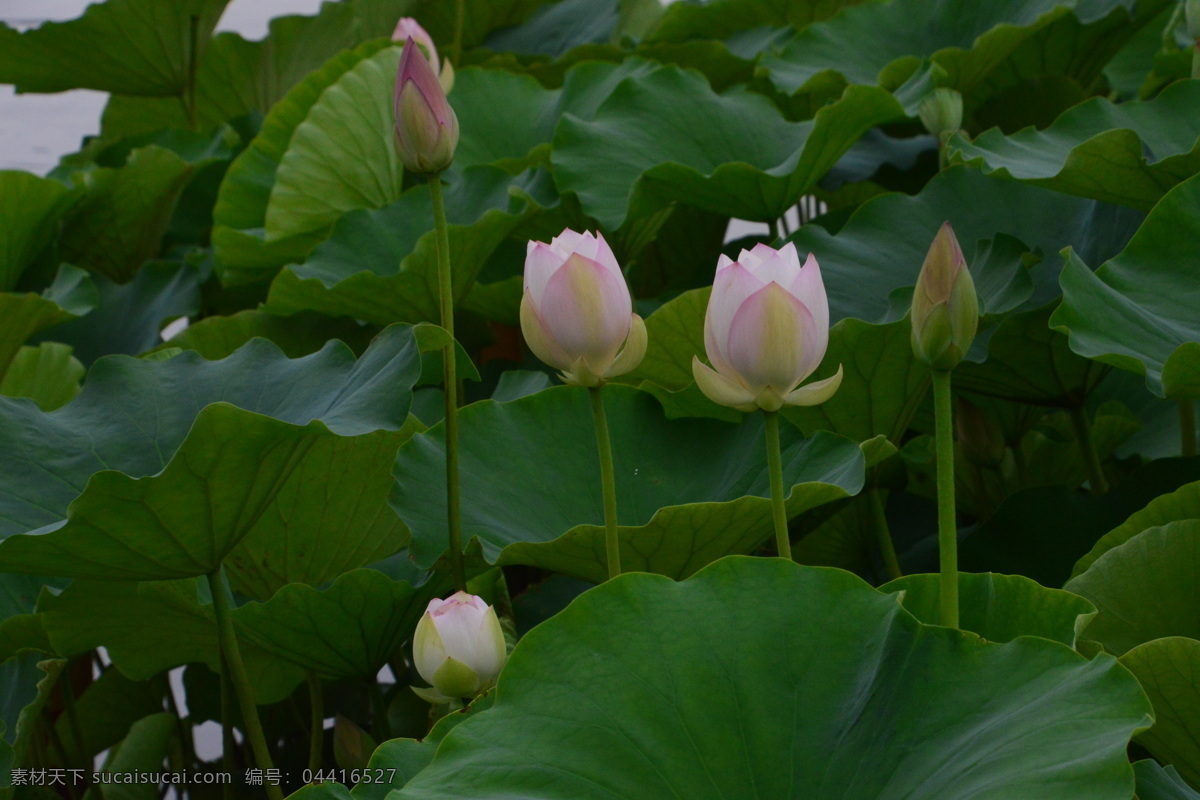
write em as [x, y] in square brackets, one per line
[458, 647]
[945, 308]
[765, 331]
[576, 314]
[426, 126]
[408, 28]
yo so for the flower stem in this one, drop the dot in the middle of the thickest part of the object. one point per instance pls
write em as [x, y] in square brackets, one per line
[316, 737]
[1091, 460]
[450, 384]
[1187, 426]
[459, 15]
[943, 412]
[222, 599]
[608, 483]
[783, 545]
[886, 546]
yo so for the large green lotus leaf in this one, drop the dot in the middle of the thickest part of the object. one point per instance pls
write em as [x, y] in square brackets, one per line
[381, 266]
[480, 17]
[1135, 311]
[237, 77]
[1169, 671]
[998, 607]
[139, 47]
[150, 627]
[884, 42]
[143, 750]
[718, 18]
[689, 491]
[22, 315]
[31, 714]
[1129, 153]
[105, 710]
[875, 249]
[731, 153]
[558, 28]
[245, 469]
[1144, 589]
[701, 690]
[240, 214]
[31, 208]
[129, 317]
[1155, 782]
[48, 374]
[1181, 504]
[342, 156]
[119, 222]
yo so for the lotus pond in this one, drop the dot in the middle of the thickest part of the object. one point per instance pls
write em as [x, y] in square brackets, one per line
[602, 399]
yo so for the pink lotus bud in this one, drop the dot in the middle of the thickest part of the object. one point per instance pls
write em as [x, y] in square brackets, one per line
[408, 28]
[945, 309]
[766, 330]
[458, 647]
[426, 126]
[576, 314]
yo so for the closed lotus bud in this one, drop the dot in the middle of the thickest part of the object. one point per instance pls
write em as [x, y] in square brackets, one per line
[426, 126]
[408, 28]
[765, 331]
[979, 435]
[458, 647]
[576, 314]
[941, 112]
[945, 309]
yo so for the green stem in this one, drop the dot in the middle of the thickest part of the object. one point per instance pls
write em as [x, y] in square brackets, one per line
[943, 414]
[79, 748]
[608, 483]
[459, 15]
[783, 544]
[450, 384]
[222, 607]
[884, 534]
[379, 712]
[228, 743]
[1196, 59]
[1091, 460]
[193, 66]
[1187, 426]
[316, 735]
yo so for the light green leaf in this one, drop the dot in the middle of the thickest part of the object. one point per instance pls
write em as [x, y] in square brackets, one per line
[1129, 153]
[703, 689]
[143, 750]
[732, 153]
[1181, 504]
[689, 491]
[138, 47]
[22, 315]
[1155, 782]
[1169, 671]
[342, 156]
[31, 208]
[1135, 311]
[1145, 588]
[998, 607]
[48, 374]
[299, 335]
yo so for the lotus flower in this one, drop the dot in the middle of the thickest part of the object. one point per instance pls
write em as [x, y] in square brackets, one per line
[766, 330]
[576, 314]
[408, 28]
[945, 308]
[458, 647]
[426, 126]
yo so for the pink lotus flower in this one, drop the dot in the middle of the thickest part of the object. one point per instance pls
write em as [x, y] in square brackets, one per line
[408, 28]
[576, 314]
[426, 125]
[458, 647]
[766, 330]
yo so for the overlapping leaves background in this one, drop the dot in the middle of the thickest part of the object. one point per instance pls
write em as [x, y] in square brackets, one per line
[290, 432]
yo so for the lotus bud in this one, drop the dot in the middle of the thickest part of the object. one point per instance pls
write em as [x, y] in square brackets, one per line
[945, 309]
[979, 435]
[941, 112]
[426, 126]
[408, 28]
[576, 314]
[765, 331]
[458, 647]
